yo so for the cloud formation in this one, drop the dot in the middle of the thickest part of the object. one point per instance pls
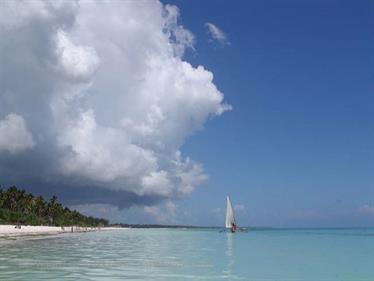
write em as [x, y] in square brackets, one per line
[367, 209]
[217, 34]
[14, 136]
[166, 213]
[98, 94]
[239, 208]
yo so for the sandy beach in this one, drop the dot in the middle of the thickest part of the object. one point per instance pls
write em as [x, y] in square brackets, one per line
[27, 230]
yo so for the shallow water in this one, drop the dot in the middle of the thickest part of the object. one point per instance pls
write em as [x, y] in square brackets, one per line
[193, 254]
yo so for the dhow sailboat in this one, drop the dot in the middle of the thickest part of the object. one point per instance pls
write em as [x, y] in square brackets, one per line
[230, 217]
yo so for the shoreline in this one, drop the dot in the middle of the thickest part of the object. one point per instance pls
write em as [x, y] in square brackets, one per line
[12, 231]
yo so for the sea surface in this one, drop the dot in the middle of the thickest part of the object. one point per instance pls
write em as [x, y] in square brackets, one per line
[193, 254]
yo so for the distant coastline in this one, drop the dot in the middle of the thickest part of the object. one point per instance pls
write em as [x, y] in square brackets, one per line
[251, 228]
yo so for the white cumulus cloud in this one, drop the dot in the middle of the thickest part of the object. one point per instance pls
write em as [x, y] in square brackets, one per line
[216, 33]
[240, 208]
[166, 213]
[367, 209]
[14, 136]
[106, 90]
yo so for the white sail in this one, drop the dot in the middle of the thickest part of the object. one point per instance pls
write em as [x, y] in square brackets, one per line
[230, 219]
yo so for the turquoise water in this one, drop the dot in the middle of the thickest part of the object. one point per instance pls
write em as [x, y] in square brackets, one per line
[193, 254]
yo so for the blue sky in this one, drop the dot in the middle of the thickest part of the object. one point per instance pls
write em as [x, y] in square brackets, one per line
[297, 148]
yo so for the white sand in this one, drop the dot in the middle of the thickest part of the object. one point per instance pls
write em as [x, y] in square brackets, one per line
[12, 230]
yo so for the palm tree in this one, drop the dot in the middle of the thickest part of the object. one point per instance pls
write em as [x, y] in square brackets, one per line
[19, 206]
[39, 207]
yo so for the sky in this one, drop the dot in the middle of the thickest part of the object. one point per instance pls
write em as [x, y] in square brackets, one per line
[153, 112]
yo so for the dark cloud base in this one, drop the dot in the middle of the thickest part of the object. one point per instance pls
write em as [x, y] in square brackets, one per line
[77, 195]
[29, 171]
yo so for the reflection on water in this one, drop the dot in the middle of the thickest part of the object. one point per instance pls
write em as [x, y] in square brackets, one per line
[228, 272]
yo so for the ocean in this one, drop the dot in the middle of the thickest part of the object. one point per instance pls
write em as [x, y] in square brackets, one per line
[193, 254]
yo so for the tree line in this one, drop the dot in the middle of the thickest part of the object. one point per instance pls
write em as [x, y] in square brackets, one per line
[20, 207]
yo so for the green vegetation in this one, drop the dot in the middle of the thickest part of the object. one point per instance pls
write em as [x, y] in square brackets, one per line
[19, 207]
